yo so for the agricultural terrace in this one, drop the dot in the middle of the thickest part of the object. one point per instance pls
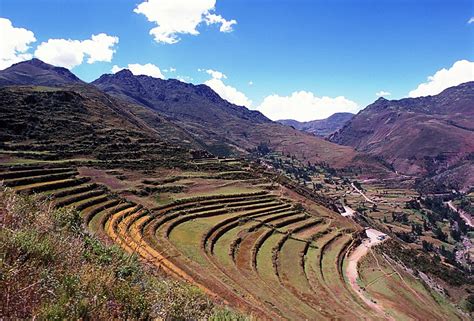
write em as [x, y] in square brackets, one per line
[243, 239]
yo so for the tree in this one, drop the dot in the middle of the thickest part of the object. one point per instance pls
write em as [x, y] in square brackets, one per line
[456, 234]
[427, 246]
[417, 229]
[263, 149]
[470, 303]
[439, 234]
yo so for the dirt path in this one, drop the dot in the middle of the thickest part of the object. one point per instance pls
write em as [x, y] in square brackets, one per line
[361, 193]
[348, 211]
[352, 273]
[465, 216]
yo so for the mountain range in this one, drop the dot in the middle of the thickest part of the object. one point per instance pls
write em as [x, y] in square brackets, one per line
[194, 111]
[419, 137]
[425, 136]
[320, 127]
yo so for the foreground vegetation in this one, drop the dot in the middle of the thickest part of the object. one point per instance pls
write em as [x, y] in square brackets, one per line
[52, 268]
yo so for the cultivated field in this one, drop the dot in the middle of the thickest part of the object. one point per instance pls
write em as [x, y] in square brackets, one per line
[244, 240]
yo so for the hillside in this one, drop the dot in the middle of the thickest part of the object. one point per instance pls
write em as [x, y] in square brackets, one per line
[220, 126]
[320, 127]
[81, 121]
[418, 136]
[184, 113]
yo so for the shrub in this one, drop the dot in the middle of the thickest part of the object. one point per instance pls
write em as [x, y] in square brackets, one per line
[30, 245]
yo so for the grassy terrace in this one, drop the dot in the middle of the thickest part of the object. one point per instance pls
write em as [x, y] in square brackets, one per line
[228, 242]
[254, 249]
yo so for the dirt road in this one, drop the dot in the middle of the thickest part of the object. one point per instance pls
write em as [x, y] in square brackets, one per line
[465, 216]
[361, 193]
[352, 273]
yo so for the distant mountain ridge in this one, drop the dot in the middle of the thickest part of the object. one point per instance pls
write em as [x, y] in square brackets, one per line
[320, 127]
[418, 136]
[218, 125]
[163, 95]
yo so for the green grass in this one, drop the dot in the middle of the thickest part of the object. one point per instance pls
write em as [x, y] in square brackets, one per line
[290, 265]
[188, 235]
[330, 257]
[27, 161]
[391, 290]
[264, 258]
[222, 246]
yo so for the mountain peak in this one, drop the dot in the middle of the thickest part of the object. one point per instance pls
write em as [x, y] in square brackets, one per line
[36, 72]
[124, 73]
[320, 127]
[408, 132]
[35, 62]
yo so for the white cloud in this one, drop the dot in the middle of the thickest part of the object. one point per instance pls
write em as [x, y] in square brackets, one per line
[250, 83]
[186, 79]
[170, 69]
[70, 53]
[382, 93]
[226, 25]
[471, 20]
[174, 17]
[137, 69]
[227, 92]
[461, 71]
[216, 74]
[304, 106]
[14, 43]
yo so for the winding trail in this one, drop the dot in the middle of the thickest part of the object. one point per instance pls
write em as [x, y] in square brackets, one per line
[361, 193]
[465, 216]
[353, 274]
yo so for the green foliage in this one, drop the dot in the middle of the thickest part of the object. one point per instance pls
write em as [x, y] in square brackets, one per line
[220, 149]
[420, 261]
[226, 315]
[263, 148]
[298, 207]
[469, 304]
[96, 252]
[67, 218]
[466, 205]
[55, 270]
[30, 245]
[134, 303]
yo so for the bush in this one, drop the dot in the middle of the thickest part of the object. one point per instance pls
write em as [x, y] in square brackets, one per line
[29, 245]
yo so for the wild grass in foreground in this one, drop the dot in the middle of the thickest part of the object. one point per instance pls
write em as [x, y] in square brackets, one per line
[52, 268]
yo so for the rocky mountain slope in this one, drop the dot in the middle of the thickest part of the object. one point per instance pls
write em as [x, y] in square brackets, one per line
[320, 127]
[221, 127]
[417, 136]
[47, 111]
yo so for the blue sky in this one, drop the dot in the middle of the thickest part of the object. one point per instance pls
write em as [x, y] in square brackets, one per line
[293, 52]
